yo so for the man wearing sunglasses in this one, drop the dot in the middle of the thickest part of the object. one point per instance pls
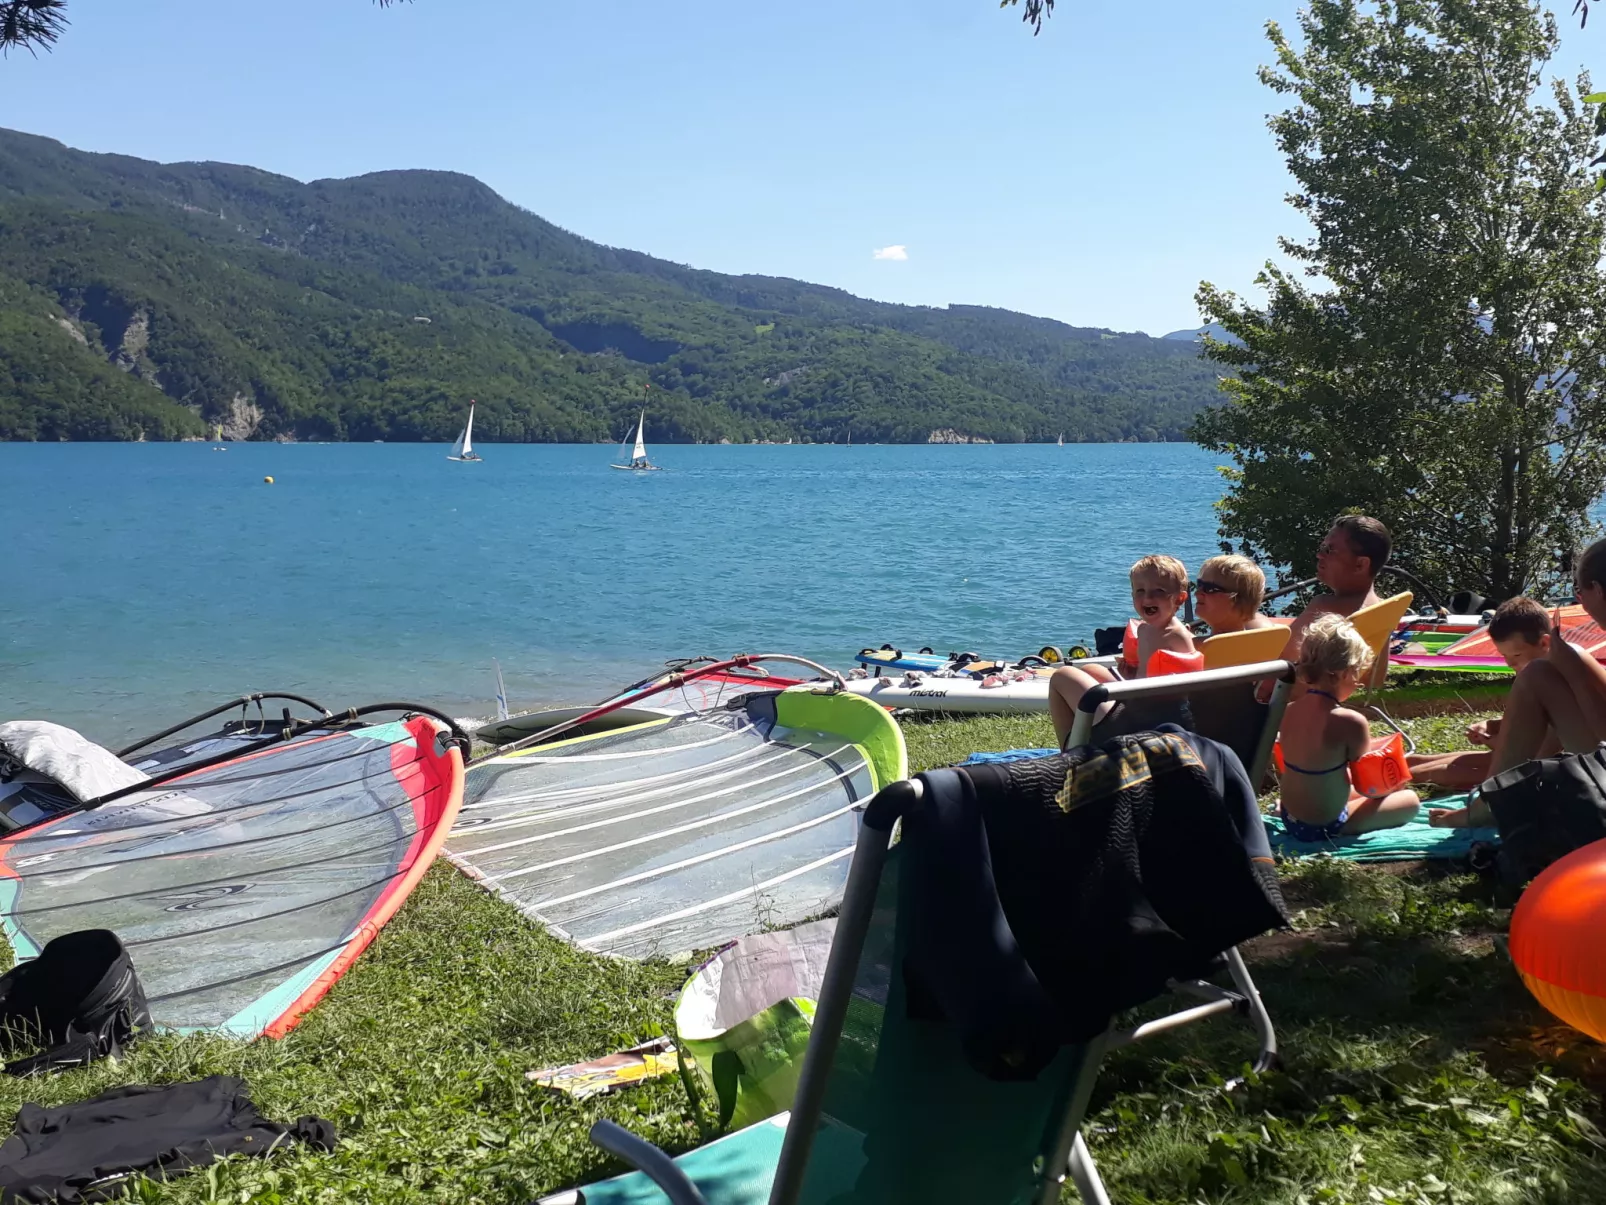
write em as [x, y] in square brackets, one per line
[1348, 560]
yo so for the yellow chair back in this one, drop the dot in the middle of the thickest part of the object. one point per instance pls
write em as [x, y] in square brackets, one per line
[1376, 624]
[1244, 648]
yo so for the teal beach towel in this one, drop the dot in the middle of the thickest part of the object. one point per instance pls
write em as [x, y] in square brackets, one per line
[1411, 842]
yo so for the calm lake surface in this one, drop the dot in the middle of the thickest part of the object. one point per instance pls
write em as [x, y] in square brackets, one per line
[145, 582]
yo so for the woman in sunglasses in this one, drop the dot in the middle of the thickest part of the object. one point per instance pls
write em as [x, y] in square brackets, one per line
[1228, 594]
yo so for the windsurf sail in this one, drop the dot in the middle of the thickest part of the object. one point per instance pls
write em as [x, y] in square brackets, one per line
[501, 692]
[681, 832]
[243, 887]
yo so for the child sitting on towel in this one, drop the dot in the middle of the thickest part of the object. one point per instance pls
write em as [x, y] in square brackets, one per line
[1520, 631]
[1159, 588]
[1321, 737]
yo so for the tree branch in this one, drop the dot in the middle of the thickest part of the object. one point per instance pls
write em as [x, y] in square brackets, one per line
[1036, 12]
[34, 25]
[31, 24]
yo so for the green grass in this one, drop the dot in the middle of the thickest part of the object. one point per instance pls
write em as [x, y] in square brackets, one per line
[1418, 1068]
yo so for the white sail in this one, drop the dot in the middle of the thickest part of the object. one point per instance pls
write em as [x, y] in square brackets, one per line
[641, 448]
[463, 449]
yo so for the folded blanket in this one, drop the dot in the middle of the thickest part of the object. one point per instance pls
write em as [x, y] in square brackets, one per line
[1411, 842]
[979, 759]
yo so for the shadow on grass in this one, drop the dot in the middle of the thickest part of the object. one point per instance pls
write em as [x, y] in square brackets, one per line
[1416, 1067]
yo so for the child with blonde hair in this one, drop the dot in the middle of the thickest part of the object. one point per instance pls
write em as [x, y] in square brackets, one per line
[1159, 588]
[1321, 738]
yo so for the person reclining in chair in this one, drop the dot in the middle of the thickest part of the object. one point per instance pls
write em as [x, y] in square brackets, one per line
[1159, 588]
[1348, 560]
[1228, 593]
[1562, 693]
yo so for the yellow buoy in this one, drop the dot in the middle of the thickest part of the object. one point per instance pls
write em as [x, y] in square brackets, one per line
[267, 481]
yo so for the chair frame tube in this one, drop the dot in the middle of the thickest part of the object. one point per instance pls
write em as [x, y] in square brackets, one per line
[648, 1159]
[836, 989]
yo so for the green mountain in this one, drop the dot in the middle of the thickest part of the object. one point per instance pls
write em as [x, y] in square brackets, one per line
[146, 300]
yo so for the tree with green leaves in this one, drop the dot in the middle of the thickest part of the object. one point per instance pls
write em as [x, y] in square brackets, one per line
[1440, 360]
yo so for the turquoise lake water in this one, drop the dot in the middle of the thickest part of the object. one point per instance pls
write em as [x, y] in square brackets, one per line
[144, 582]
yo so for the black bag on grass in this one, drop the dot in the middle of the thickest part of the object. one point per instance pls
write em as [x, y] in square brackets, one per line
[1546, 808]
[80, 999]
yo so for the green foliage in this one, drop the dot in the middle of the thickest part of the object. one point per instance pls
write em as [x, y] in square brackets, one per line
[53, 386]
[300, 300]
[1449, 379]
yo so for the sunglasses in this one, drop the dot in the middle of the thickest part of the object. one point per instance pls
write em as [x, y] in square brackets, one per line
[1212, 588]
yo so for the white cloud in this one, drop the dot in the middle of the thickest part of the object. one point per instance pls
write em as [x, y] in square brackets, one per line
[896, 251]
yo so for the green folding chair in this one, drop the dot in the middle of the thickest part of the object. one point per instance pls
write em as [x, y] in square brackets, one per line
[888, 1111]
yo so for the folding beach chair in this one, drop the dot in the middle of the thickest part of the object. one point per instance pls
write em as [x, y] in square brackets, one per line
[1244, 648]
[1376, 624]
[888, 1109]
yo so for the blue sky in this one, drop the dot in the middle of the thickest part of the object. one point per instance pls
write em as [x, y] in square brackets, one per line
[1094, 174]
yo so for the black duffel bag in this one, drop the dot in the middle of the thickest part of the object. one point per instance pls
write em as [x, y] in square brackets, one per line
[80, 999]
[1546, 808]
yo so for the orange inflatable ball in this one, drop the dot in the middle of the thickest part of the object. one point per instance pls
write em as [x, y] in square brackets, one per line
[1558, 939]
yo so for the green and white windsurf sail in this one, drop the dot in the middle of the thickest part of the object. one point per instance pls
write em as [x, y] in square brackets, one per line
[683, 832]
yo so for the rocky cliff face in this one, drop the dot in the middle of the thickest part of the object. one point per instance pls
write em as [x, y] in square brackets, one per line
[947, 435]
[73, 329]
[241, 418]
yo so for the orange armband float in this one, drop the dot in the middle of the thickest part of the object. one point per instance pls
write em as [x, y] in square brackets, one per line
[1377, 772]
[1165, 661]
[1381, 769]
[1129, 645]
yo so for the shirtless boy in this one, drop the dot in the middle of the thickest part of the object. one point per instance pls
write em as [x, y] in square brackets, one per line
[1562, 693]
[1520, 631]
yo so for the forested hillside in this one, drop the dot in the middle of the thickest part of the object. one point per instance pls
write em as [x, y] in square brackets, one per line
[156, 298]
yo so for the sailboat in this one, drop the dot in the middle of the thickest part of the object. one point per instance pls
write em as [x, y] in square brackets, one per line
[638, 457]
[217, 438]
[463, 450]
[1062, 441]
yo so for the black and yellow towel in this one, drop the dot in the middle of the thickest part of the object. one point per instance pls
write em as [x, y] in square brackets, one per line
[1122, 765]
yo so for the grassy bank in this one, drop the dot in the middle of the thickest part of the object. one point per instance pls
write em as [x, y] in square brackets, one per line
[1419, 1070]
